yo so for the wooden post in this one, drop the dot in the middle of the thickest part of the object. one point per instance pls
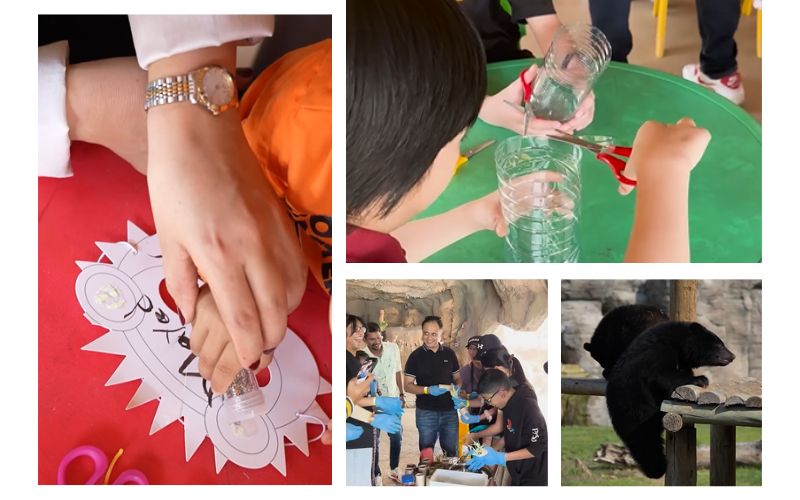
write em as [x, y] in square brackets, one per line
[723, 455]
[682, 457]
[683, 300]
[681, 446]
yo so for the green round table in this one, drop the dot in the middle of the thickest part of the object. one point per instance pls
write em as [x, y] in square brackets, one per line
[725, 192]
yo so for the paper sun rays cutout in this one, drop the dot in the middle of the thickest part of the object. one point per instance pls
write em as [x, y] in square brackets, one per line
[125, 298]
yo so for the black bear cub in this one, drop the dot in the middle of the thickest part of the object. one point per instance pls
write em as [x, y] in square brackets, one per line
[657, 361]
[617, 330]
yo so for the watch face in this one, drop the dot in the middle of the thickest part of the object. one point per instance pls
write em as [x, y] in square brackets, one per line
[218, 86]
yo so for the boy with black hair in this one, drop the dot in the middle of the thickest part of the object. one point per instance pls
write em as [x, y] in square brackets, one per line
[524, 431]
[415, 82]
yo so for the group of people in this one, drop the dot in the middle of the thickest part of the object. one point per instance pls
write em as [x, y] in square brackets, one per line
[490, 394]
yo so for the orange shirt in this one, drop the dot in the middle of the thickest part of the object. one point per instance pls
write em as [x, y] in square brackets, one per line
[286, 116]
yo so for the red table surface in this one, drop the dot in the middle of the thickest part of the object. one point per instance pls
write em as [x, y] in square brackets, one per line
[74, 406]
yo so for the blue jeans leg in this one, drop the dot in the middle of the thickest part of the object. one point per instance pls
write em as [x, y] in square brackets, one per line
[428, 428]
[448, 432]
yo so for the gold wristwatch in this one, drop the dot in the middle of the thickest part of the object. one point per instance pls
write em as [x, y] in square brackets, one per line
[212, 87]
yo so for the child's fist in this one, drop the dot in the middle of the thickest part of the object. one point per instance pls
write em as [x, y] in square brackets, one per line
[662, 149]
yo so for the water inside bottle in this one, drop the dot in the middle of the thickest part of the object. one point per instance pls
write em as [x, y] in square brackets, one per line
[553, 100]
[539, 186]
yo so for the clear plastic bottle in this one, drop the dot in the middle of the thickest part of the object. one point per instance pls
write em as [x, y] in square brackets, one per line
[540, 192]
[578, 55]
[244, 402]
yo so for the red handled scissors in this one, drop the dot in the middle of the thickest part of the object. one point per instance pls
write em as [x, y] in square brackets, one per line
[527, 100]
[603, 153]
[102, 471]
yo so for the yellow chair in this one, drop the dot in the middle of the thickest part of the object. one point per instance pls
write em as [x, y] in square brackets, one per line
[660, 12]
[747, 9]
[758, 32]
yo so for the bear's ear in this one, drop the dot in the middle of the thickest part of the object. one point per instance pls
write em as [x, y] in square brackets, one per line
[587, 346]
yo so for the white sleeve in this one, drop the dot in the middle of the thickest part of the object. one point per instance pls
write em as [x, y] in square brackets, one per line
[53, 127]
[157, 37]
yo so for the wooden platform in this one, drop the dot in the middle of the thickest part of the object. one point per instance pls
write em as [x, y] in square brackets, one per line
[740, 392]
[724, 406]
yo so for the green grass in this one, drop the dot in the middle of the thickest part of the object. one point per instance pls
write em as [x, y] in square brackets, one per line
[580, 443]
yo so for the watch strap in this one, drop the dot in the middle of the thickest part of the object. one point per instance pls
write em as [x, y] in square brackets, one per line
[167, 90]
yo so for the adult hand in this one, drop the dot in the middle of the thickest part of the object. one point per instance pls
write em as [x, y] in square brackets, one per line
[496, 110]
[353, 432]
[435, 390]
[492, 457]
[458, 402]
[391, 406]
[217, 216]
[357, 389]
[388, 423]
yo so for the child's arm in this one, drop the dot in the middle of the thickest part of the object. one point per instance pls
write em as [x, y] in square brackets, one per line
[662, 160]
[424, 237]
[492, 430]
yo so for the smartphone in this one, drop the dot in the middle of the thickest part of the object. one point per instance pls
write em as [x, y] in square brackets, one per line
[366, 368]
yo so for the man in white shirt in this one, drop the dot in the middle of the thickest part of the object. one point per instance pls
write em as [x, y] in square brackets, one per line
[388, 373]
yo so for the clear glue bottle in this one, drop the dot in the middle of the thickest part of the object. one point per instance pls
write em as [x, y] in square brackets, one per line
[244, 403]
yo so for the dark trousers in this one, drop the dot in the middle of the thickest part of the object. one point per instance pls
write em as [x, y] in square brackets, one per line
[611, 17]
[717, 20]
[395, 441]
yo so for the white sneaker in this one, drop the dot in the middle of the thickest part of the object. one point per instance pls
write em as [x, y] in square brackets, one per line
[378, 481]
[394, 474]
[730, 87]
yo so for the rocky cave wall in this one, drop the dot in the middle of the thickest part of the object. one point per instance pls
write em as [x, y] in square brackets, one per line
[467, 307]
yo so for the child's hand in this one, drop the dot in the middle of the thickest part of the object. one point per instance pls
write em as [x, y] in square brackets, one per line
[211, 343]
[498, 113]
[664, 150]
[486, 214]
[583, 115]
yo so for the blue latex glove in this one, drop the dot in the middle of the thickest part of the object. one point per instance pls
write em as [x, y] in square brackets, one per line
[470, 419]
[435, 390]
[492, 457]
[388, 423]
[354, 432]
[473, 395]
[392, 406]
[458, 403]
[373, 388]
